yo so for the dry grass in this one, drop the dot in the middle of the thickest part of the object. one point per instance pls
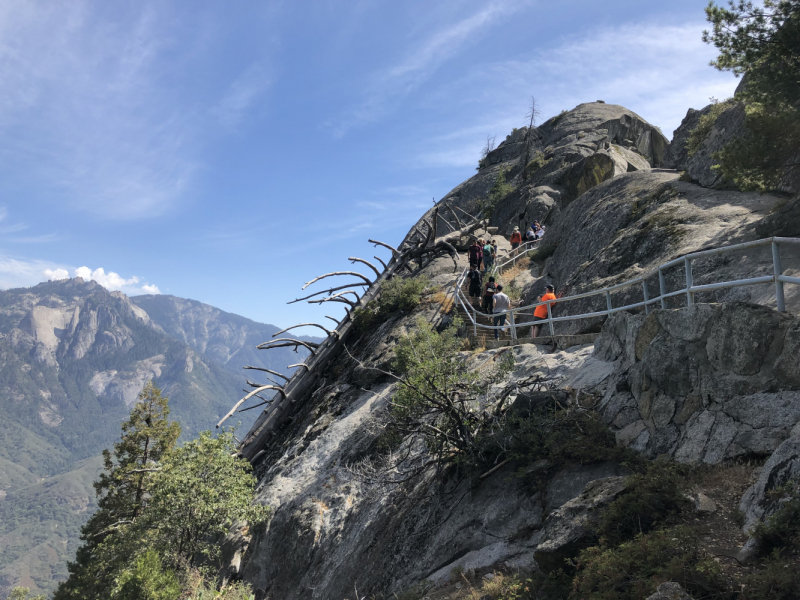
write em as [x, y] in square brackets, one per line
[522, 265]
[447, 302]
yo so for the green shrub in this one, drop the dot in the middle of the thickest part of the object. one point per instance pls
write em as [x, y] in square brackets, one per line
[397, 294]
[651, 499]
[401, 294]
[758, 160]
[538, 586]
[147, 579]
[23, 593]
[778, 580]
[633, 570]
[556, 435]
[537, 162]
[781, 530]
[706, 124]
[500, 189]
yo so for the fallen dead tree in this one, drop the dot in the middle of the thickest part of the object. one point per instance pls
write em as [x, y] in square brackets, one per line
[420, 248]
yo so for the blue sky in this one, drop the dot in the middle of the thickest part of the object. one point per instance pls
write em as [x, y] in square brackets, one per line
[229, 152]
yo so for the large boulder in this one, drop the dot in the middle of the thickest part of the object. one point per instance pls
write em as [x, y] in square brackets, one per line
[783, 466]
[670, 590]
[728, 125]
[568, 529]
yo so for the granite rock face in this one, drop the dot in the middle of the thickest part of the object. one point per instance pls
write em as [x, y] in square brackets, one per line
[565, 531]
[703, 383]
[728, 126]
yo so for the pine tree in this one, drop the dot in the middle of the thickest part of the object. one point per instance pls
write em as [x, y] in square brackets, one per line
[123, 490]
[762, 43]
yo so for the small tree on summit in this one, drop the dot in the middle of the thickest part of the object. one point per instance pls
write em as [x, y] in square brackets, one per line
[532, 115]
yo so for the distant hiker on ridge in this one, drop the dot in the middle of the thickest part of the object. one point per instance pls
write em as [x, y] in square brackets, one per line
[516, 238]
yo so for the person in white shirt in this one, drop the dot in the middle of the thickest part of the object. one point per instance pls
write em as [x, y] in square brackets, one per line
[501, 304]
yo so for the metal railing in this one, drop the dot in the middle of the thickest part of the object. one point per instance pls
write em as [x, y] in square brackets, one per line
[777, 277]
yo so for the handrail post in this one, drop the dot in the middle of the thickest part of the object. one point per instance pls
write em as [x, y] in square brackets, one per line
[550, 321]
[513, 326]
[662, 285]
[646, 296]
[608, 302]
[687, 264]
[474, 321]
[776, 266]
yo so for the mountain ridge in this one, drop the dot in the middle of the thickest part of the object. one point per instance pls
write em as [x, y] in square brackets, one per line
[73, 358]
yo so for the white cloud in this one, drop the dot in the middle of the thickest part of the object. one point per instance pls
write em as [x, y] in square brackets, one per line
[114, 281]
[110, 280]
[56, 274]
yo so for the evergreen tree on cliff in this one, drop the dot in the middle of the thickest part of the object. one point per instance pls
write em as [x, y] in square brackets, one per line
[761, 43]
[123, 489]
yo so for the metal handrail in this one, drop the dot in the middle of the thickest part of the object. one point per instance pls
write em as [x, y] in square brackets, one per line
[777, 277]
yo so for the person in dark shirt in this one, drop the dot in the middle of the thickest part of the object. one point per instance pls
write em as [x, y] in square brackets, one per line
[475, 283]
[488, 296]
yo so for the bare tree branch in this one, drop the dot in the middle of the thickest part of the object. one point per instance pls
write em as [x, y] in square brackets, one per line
[355, 259]
[337, 273]
[247, 397]
[337, 321]
[284, 342]
[267, 371]
[302, 325]
[337, 298]
[394, 250]
[329, 291]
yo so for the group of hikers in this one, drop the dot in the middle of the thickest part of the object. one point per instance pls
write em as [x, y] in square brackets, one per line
[535, 232]
[482, 257]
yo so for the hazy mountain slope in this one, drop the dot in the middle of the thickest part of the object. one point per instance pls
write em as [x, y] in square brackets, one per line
[73, 358]
[227, 339]
[40, 524]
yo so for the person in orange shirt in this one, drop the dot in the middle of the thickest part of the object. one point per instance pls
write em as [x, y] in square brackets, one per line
[540, 313]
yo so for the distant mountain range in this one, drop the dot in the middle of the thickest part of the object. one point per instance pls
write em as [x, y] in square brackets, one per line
[73, 358]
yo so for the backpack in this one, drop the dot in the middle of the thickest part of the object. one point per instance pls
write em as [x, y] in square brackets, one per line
[473, 251]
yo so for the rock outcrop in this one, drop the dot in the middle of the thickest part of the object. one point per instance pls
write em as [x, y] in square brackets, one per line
[703, 383]
[782, 467]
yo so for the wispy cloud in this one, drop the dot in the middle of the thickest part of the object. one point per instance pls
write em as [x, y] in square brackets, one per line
[97, 105]
[242, 93]
[655, 70]
[395, 82]
[21, 272]
[87, 108]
